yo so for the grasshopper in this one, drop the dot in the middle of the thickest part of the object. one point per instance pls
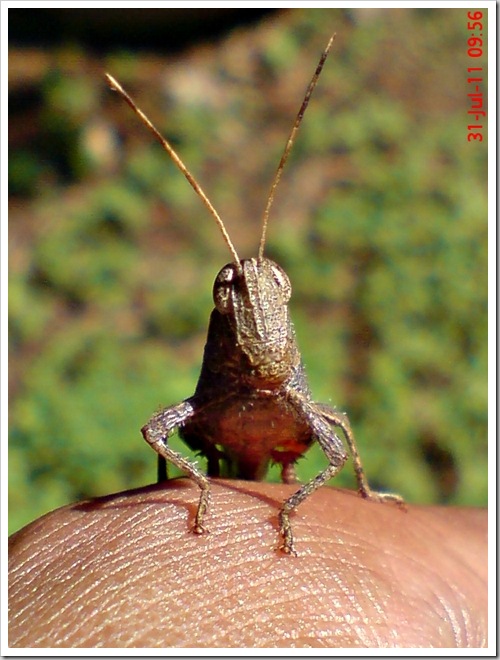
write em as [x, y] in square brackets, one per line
[252, 404]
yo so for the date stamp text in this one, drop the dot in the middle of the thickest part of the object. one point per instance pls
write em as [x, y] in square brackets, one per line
[475, 76]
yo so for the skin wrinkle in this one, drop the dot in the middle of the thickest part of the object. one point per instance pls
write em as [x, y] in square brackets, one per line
[278, 619]
[413, 593]
[182, 572]
[187, 564]
[278, 624]
[251, 513]
[221, 538]
[49, 572]
[374, 598]
[454, 615]
[432, 572]
[453, 620]
[165, 572]
[316, 589]
[471, 627]
[82, 602]
[40, 593]
[357, 614]
[23, 576]
[382, 603]
[432, 577]
[363, 581]
[273, 596]
[93, 551]
[96, 582]
[127, 617]
[123, 611]
[454, 550]
[229, 613]
[282, 630]
[458, 617]
[418, 623]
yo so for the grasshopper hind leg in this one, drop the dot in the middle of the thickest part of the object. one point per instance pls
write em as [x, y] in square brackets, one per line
[342, 421]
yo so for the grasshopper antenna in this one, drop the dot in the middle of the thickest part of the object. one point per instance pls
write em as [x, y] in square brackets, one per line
[289, 144]
[115, 86]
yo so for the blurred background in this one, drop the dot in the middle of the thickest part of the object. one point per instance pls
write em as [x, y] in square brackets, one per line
[380, 222]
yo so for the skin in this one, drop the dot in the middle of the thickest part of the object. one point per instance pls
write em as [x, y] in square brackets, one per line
[126, 571]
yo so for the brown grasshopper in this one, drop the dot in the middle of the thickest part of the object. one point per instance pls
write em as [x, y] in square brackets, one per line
[252, 404]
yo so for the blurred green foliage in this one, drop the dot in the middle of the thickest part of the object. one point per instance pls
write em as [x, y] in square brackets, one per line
[380, 222]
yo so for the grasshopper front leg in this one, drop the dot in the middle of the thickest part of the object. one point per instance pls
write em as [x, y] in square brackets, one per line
[156, 433]
[321, 419]
[334, 450]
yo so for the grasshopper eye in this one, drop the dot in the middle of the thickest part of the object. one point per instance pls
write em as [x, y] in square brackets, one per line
[223, 285]
[282, 280]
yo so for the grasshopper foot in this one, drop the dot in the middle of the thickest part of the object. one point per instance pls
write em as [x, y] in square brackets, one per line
[369, 494]
[200, 529]
[287, 547]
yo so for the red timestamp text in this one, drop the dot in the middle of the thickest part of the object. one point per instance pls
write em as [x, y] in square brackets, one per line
[475, 76]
